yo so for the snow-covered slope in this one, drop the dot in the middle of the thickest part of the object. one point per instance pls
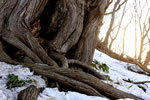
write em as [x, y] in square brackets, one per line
[118, 72]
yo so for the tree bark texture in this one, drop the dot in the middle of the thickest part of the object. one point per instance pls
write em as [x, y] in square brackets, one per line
[69, 25]
[30, 93]
[77, 23]
[51, 32]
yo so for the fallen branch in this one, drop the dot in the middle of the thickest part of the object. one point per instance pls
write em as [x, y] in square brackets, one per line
[130, 81]
[139, 72]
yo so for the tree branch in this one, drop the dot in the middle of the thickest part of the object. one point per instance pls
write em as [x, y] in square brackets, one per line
[116, 8]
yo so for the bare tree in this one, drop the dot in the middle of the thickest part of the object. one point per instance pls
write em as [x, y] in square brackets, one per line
[116, 7]
[142, 26]
[119, 26]
[147, 58]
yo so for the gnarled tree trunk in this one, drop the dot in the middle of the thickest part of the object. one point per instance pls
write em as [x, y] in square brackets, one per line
[51, 32]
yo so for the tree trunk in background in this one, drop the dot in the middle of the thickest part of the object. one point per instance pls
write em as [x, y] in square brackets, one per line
[141, 49]
[51, 32]
[106, 41]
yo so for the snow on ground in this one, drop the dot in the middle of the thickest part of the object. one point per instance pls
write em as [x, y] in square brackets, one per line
[23, 73]
[54, 94]
[118, 71]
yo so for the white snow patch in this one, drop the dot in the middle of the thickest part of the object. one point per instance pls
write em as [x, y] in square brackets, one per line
[118, 71]
[54, 94]
[23, 74]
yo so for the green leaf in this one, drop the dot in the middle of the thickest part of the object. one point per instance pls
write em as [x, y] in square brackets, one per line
[100, 66]
[129, 87]
[13, 81]
[108, 78]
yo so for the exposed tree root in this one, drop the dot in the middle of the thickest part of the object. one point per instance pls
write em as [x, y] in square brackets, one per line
[85, 66]
[11, 39]
[59, 58]
[78, 80]
[75, 84]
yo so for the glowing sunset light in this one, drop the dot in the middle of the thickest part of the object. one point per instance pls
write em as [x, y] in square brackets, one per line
[133, 29]
[148, 67]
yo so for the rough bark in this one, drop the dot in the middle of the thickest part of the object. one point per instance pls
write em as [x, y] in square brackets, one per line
[30, 93]
[69, 29]
[76, 23]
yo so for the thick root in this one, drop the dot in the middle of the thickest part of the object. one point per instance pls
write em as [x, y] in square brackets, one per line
[86, 67]
[11, 39]
[59, 58]
[79, 81]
